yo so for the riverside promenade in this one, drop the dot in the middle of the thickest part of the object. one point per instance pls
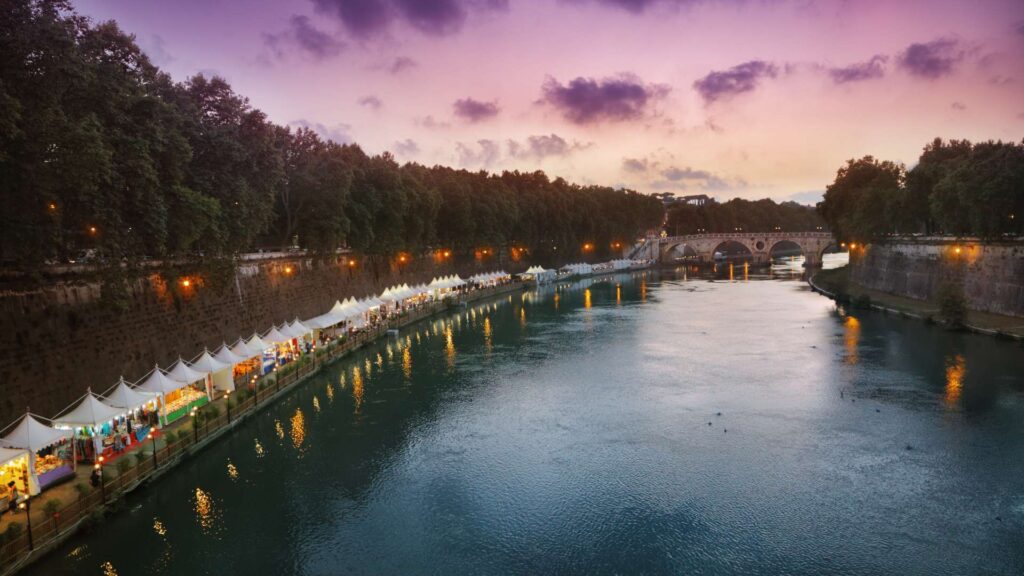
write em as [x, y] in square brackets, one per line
[76, 505]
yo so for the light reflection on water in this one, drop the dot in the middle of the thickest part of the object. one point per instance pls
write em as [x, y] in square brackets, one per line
[582, 445]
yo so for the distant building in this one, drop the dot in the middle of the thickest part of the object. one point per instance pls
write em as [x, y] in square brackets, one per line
[696, 199]
[667, 198]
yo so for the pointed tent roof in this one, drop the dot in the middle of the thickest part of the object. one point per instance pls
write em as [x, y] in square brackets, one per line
[299, 328]
[159, 383]
[89, 412]
[225, 355]
[181, 372]
[257, 343]
[127, 398]
[32, 435]
[274, 335]
[242, 350]
[206, 363]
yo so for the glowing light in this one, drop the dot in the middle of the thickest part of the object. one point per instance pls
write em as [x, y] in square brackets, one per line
[586, 298]
[316, 404]
[206, 513]
[351, 263]
[287, 269]
[53, 207]
[357, 388]
[260, 453]
[957, 250]
[449, 348]
[956, 368]
[488, 335]
[232, 471]
[186, 282]
[92, 230]
[298, 428]
[851, 338]
[159, 527]
[407, 364]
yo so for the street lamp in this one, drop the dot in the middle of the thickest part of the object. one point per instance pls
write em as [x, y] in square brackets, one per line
[27, 506]
[227, 404]
[153, 438]
[195, 425]
[103, 481]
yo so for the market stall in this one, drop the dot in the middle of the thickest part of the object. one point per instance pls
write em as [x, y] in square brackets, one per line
[139, 406]
[97, 429]
[284, 351]
[197, 384]
[267, 352]
[49, 459]
[176, 399]
[218, 374]
[13, 468]
[241, 365]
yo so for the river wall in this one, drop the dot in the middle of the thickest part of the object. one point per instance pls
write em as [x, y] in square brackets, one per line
[991, 274]
[63, 337]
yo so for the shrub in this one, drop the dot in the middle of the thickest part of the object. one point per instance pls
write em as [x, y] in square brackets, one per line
[952, 304]
[210, 411]
[82, 488]
[52, 506]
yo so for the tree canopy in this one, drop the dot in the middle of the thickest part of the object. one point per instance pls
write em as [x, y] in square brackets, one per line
[956, 188]
[754, 215]
[101, 150]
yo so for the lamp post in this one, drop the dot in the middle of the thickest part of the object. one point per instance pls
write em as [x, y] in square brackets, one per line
[27, 506]
[103, 482]
[153, 438]
[227, 404]
[195, 425]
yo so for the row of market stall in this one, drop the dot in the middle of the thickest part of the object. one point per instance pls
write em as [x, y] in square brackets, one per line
[37, 452]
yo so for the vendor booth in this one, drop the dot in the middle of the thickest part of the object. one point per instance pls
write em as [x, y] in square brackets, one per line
[176, 399]
[218, 374]
[267, 353]
[49, 459]
[140, 407]
[13, 468]
[98, 429]
[241, 365]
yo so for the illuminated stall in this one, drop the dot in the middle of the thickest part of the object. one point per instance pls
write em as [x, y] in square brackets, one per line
[176, 399]
[97, 428]
[140, 407]
[13, 468]
[49, 460]
[194, 393]
[218, 374]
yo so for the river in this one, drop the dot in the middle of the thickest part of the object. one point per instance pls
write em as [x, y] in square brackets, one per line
[649, 423]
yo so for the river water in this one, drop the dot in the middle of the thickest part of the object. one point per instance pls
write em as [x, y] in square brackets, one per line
[645, 423]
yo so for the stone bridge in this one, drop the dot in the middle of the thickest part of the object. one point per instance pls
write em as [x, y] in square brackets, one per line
[702, 247]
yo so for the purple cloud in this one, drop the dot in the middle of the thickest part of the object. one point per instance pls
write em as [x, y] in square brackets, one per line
[958, 106]
[362, 18]
[736, 80]
[401, 64]
[303, 35]
[475, 110]
[436, 17]
[371, 18]
[873, 68]
[486, 153]
[690, 178]
[931, 60]
[337, 133]
[635, 165]
[407, 147]
[544, 146]
[371, 101]
[588, 101]
[431, 123]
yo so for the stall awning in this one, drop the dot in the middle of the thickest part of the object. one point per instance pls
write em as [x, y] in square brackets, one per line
[89, 412]
[227, 356]
[9, 454]
[275, 335]
[32, 435]
[159, 383]
[127, 398]
[181, 372]
[256, 343]
[206, 363]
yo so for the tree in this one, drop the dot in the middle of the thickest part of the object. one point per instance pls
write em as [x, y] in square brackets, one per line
[863, 203]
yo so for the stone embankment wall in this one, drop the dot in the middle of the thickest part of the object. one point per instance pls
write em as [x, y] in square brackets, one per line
[991, 274]
[61, 339]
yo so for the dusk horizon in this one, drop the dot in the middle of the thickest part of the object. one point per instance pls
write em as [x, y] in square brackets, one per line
[730, 99]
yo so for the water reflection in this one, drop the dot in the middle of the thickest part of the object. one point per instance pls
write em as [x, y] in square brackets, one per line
[159, 528]
[586, 299]
[851, 339]
[488, 339]
[956, 368]
[357, 387]
[207, 514]
[108, 569]
[232, 471]
[298, 433]
[449, 349]
[407, 364]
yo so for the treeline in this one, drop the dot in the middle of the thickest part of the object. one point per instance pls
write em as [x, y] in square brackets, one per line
[956, 188]
[754, 215]
[101, 150]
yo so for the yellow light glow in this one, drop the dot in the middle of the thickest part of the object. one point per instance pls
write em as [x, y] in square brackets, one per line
[956, 368]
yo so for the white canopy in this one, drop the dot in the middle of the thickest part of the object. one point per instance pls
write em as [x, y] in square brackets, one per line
[535, 270]
[206, 363]
[242, 349]
[32, 435]
[226, 355]
[8, 454]
[159, 383]
[89, 412]
[274, 335]
[297, 329]
[127, 398]
[181, 372]
[257, 343]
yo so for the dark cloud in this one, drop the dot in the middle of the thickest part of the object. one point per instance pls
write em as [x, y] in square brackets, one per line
[401, 64]
[483, 155]
[959, 106]
[735, 80]
[702, 179]
[874, 68]
[475, 110]
[407, 148]
[338, 133]
[544, 146]
[371, 101]
[635, 165]
[303, 35]
[933, 59]
[370, 18]
[587, 101]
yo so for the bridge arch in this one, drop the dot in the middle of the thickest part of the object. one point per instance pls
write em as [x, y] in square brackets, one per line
[734, 245]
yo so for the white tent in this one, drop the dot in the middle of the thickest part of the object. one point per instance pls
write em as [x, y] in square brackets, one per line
[219, 372]
[226, 355]
[89, 412]
[256, 343]
[274, 335]
[242, 349]
[9, 454]
[206, 363]
[298, 329]
[159, 383]
[181, 372]
[127, 398]
[32, 435]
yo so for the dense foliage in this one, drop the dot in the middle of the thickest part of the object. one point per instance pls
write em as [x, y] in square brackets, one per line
[754, 215]
[101, 150]
[956, 188]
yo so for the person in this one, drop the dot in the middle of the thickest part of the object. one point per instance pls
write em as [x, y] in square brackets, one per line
[13, 495]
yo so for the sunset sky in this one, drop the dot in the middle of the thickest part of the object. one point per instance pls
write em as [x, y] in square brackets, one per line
[747, 98]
